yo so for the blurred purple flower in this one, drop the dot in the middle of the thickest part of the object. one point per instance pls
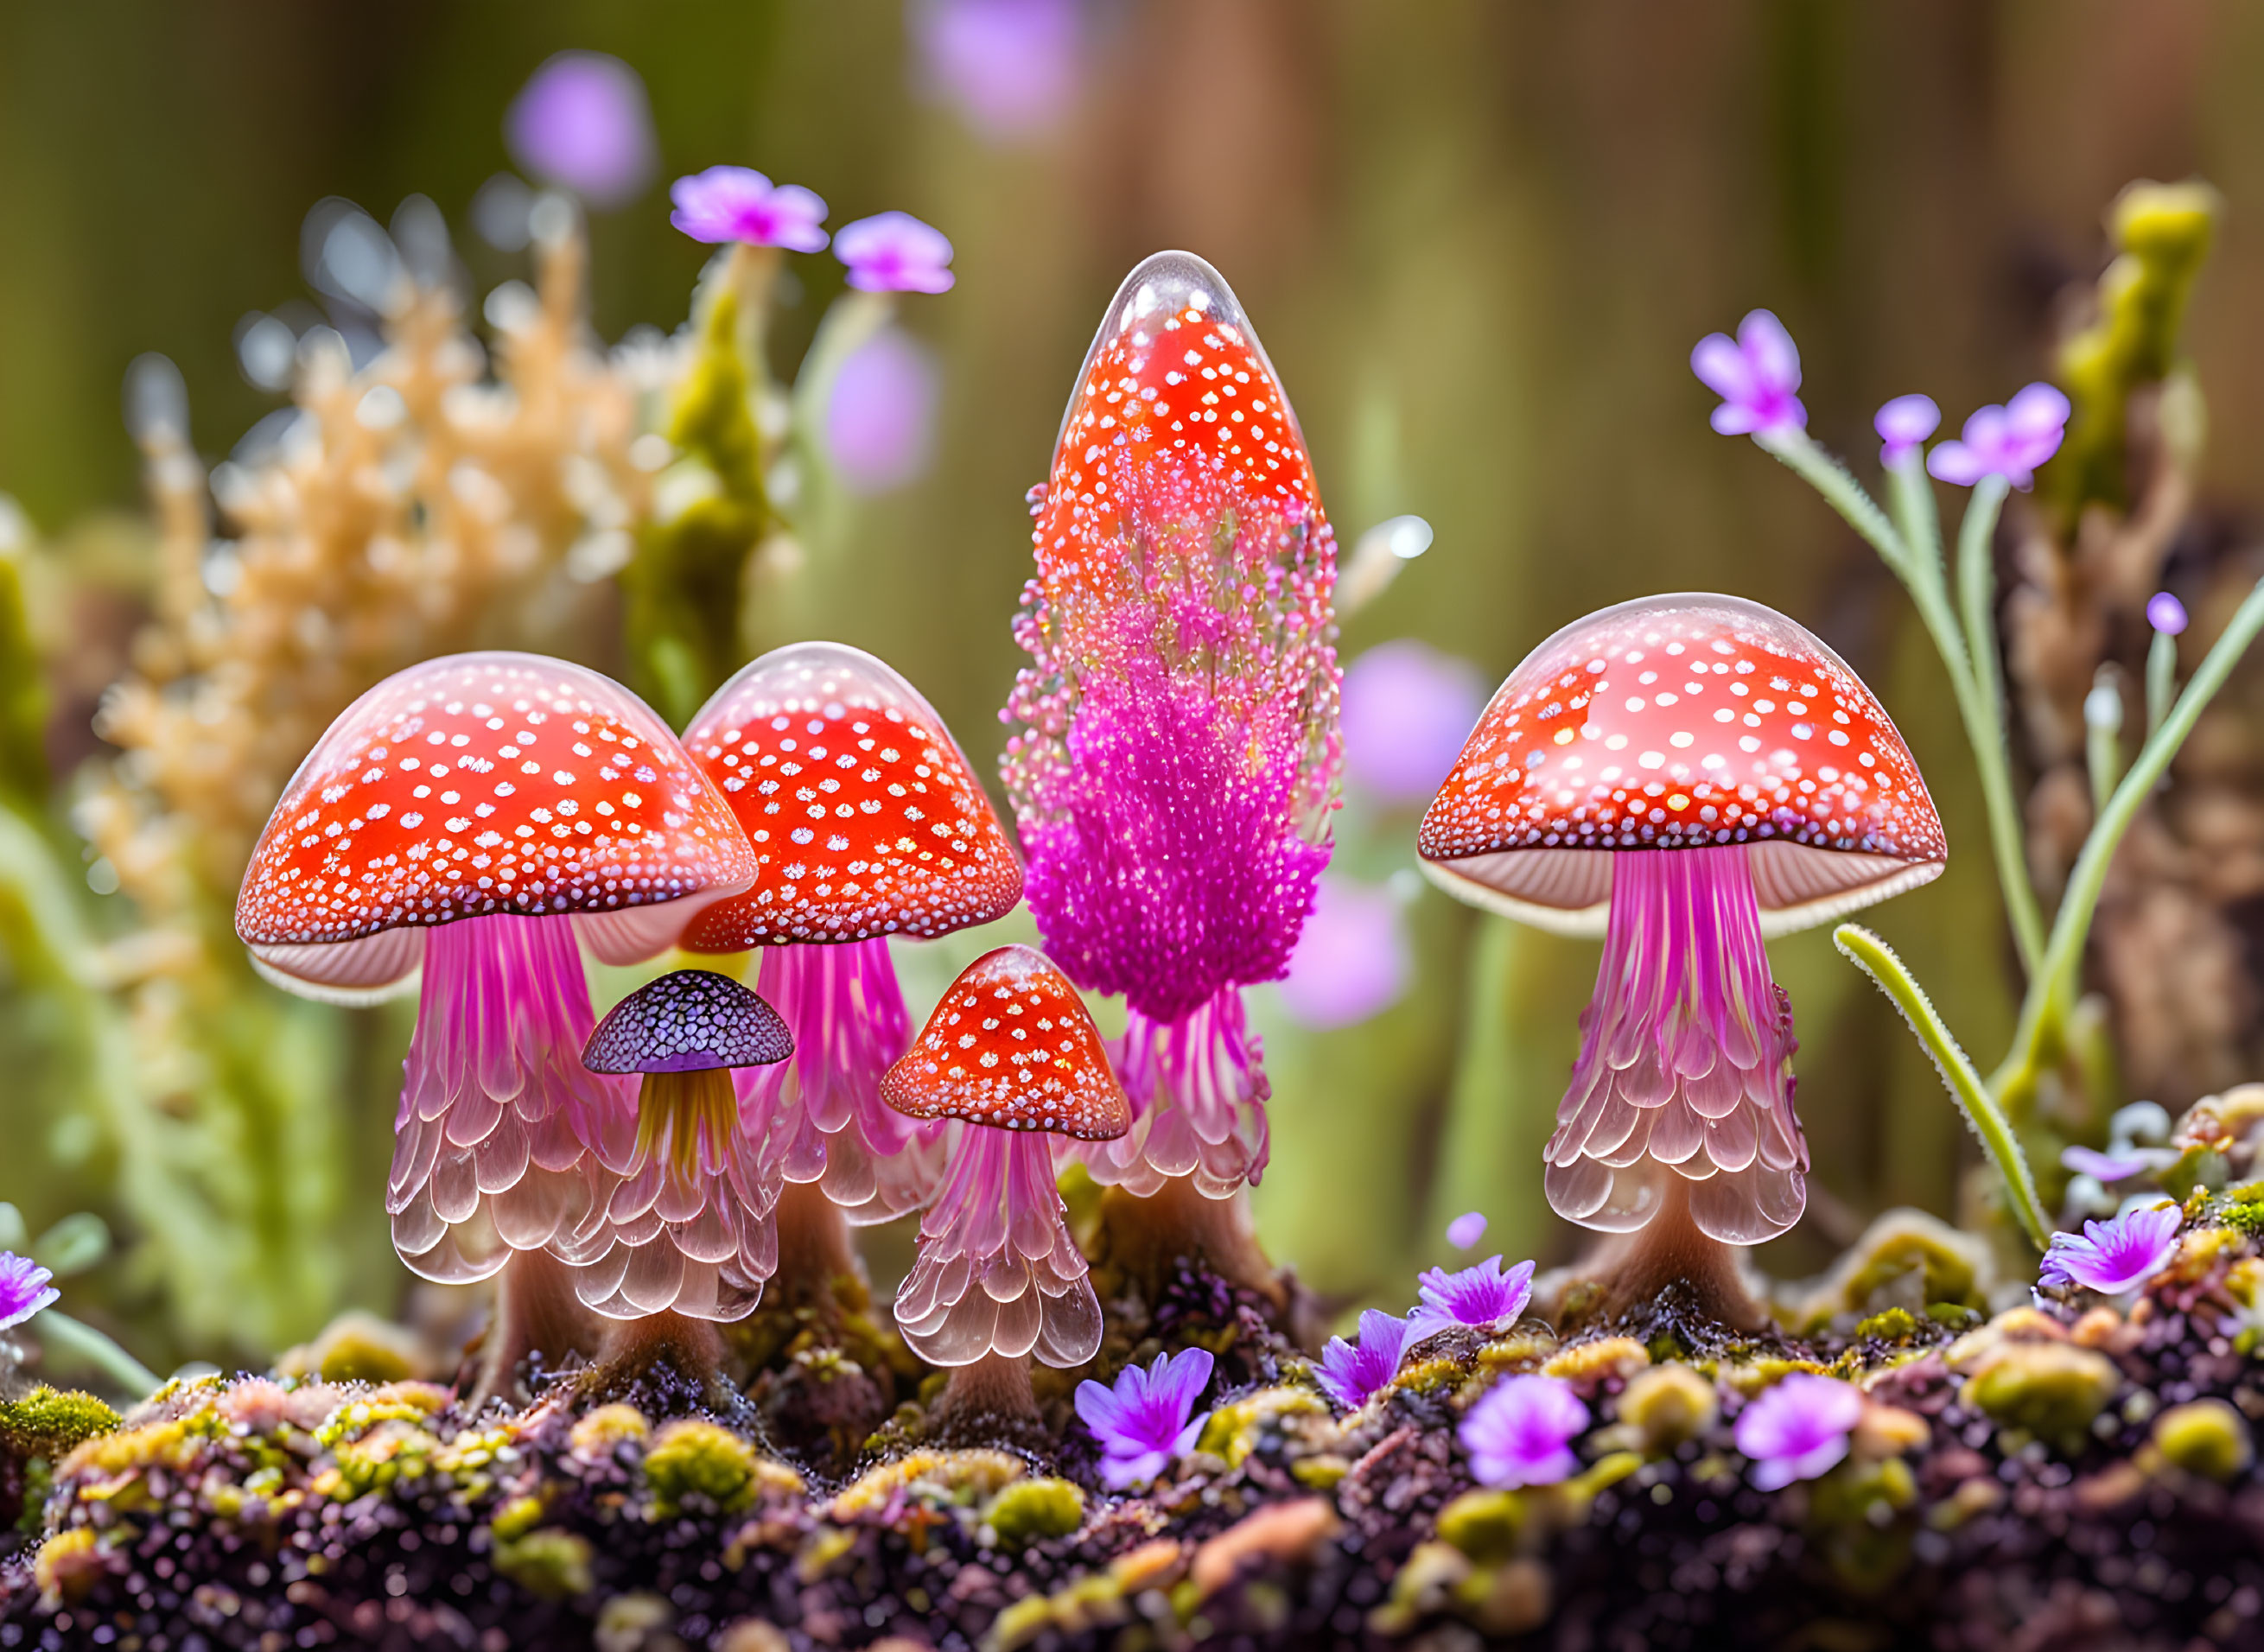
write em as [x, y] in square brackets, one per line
[1480, 1296]
[1755, 375]
[1143, 1424]
[1352, 960]
[583, 123]
[895, 252]
[1521, 1432]
[24, 1289]
[1466, 1229]
[1352, 1374]
[732, 203]
[1903, 423]
[2008, 441]
[1011, 68]
[1407, 710]
[1798, 1428]
[2114, 1256]
[880, 413]
[2166, 613]
[2113, 1167]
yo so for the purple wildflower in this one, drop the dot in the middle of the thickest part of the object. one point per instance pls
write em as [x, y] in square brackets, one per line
[1351, 961]
[2166, 613]
[2113, 1167]
[1143, 1424]
[1798, 1428]
[583, 123]
[1407, 710]
[1903, 423]
[1755, 375]
[2008, 441]
[1352, 1373]
[1466, 1229]
[1480, 1296]
[1175, 768]
[895, 252]
[2114, 1256]
[1521, 1432]
[880, 413]
[24, 1289]
[731, 203]
[1011, 68]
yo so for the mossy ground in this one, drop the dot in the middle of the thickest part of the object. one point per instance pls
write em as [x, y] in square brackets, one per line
[2067, 1476]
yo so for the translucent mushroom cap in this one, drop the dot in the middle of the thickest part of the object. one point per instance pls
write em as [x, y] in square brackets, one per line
[477, 784]
[689, 1020]
[862, 811]
[1010, 1046]
[1682, 721]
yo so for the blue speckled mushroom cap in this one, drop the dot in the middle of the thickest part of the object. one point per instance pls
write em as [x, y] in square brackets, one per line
[687, 1021]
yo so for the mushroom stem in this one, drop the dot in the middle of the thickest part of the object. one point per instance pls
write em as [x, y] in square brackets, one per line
[1145, 1239]
[536, 1312]
[995, 1390]
[815, 1249]
[1627, 1270]
[693, 1347]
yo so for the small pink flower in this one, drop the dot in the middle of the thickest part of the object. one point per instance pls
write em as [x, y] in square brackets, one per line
[583, 123]
[1480, 1296]
[1352, 1375]
[1466, 1229]
[24, 1289]
[1903, 423]
[731, 203]
[1148, 1420]
[880, 416]
[1798, 1428]
[2114, 1256]
[895, 252]
[2166, 613]
[1755, 375]
[2115, 1166]
[1352, 960]
[2008, 441]
[1521, 1432]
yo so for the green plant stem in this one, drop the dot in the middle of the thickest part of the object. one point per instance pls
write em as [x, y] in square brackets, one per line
[1876, 959]
[82, 1342]
[2161, 679]
[2052, 989]
[1841, 492]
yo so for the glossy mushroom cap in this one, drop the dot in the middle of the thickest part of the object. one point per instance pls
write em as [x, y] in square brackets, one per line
[480, 785]
[1679, 722]
[688, 1021]
[1011, 1046]
[863, 813]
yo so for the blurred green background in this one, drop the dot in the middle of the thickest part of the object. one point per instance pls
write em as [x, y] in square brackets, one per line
[1478, 240]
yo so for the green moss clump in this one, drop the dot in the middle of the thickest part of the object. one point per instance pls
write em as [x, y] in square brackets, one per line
[2051, 1389]
[1667, 1405]
[49, 1422]
[1236, 1431]
[1484, 1524]
[394, 1450]
[1895, 1324]
[547, 1562]
[1031, 1510]
[2206, 1438]
[699, 1459]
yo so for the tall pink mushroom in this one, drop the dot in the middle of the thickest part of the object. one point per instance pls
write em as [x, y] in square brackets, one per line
[1011, 1052]
[868, 822]
[1682, 775]
[470, 817]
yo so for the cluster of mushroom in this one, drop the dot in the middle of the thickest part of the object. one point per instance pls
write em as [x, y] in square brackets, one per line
[478, 820]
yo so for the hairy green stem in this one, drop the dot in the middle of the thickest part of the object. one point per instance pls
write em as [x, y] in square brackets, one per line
[81, 1342]
[1876, 959]
[1798, 453]
[2052, 989]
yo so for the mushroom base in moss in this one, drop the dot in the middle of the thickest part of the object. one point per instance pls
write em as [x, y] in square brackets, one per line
[1624, 1272]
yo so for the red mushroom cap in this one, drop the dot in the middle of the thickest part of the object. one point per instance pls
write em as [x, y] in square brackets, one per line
[1681, 722]
[1176, 374]
[480, 785]
[1011, 1046]
[858, 803]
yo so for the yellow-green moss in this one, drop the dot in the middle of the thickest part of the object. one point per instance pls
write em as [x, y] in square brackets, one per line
[600, 1431]
[691, 1459]
[546, 1561]
[961, 1478]
[49, 1422]
[2051, 1389]
[1235, 1431]
[2206, 1438]
[1484, 1524]
[1667, 1405]
[1031, 1510]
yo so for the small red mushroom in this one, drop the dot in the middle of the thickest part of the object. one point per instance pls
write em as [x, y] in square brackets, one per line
[868, 822]
[1683, 775]
[469, 818]
[1010, 1051]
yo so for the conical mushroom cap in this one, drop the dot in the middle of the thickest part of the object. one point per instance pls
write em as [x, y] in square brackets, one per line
[861, 808]
[1683, 721]
[1010, 1046]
